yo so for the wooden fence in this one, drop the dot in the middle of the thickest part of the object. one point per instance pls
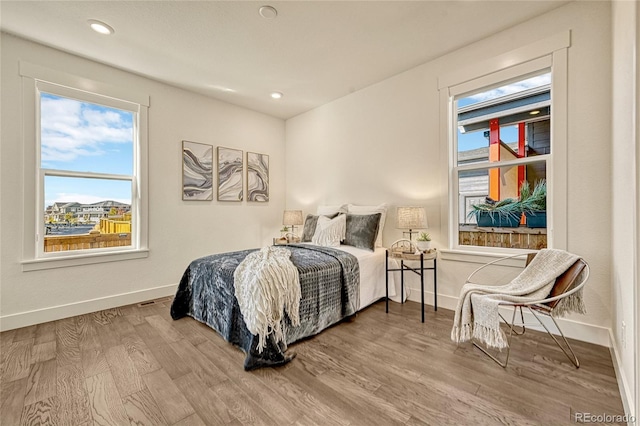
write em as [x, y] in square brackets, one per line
[521, 237]
[112, 226]
[86, 241]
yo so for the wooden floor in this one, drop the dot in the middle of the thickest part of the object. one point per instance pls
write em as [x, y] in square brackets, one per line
[135, 365]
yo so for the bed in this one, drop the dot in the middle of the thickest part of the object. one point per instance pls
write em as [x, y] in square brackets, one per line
[336, 281]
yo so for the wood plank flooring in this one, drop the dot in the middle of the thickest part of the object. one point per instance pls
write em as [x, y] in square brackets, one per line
[135, 365]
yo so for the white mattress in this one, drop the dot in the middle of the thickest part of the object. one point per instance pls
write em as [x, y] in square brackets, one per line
[372, 275]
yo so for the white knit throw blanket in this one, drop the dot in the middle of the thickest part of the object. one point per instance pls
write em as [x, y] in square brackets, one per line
[477, 311]
[266, 284]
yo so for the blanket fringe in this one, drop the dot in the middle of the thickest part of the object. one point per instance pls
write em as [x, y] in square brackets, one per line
[462, 333]
[493, 338]
[490, 337]
[572, 303]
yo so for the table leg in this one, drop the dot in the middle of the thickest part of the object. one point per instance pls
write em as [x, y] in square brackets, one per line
[402, 281]
[422, 284]
[386, 279]
[435, 285]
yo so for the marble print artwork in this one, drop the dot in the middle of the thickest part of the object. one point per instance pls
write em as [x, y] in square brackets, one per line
[230, 174]
[197, 171]
[257, 177]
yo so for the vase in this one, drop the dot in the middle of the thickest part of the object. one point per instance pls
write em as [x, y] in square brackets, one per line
[423, 245]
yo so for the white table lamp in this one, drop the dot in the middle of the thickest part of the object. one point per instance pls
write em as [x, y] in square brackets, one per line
[411, 218]
[292, 218]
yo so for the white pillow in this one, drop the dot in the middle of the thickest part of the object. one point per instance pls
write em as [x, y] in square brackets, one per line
[329, 232]
[381, 208]
[331, 210]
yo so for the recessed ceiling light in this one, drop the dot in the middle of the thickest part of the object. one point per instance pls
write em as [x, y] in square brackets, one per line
[535, 112]
[276, 95]
[100, 27]
[268, 12]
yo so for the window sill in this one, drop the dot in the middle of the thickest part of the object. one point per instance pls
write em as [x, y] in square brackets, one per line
[483, 257]
[83, 259]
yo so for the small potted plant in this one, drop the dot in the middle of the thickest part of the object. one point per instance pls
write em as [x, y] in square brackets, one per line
[503, 214]
[283, 231]
[423, 241]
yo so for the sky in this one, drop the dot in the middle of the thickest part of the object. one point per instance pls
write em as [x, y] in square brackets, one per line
[82, 136]
[473, 140]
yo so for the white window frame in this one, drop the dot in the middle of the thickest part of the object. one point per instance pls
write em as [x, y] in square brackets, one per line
[547, 54]
[37, 79]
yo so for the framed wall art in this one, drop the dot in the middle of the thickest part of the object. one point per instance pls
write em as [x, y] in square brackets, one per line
[257, 177]
[230, 181]
[197, 171]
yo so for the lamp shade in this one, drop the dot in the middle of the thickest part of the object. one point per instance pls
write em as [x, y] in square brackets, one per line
[292, 217]
[411, 218]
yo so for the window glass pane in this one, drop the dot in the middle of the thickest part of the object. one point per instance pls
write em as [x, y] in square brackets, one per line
[85, 137]
[514, 88]
[82, 213]
[504, 123]
[503, 207]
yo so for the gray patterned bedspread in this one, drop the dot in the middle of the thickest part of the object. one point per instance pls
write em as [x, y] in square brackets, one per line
[330, 287]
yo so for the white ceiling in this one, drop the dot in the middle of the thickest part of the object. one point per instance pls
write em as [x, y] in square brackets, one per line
[313, 52]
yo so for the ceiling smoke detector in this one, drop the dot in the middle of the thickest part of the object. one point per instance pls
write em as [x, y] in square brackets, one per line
[268, 12]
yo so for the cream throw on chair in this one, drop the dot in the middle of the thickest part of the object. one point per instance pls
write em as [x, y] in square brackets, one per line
[266, 284]
[477, 314]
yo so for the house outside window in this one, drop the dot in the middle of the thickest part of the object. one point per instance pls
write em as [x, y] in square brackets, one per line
[85, 157]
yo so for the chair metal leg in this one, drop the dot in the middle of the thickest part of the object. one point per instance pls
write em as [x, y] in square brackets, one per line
[573, 358]
[512, 325]
[511, 331]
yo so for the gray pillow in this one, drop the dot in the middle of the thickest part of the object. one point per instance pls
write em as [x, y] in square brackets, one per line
[309, 229]
[362, 230]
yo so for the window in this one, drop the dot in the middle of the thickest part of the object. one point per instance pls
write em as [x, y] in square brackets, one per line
[86, 174]
[508, 125]
[507, 143]
[89, 181]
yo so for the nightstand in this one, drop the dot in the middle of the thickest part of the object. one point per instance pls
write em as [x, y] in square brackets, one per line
[430, 255]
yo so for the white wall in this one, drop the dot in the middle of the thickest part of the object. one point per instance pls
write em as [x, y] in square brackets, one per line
[625, 193]
[179, 231]
[382, 144]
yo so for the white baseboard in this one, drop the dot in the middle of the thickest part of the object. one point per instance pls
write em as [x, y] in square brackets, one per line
[572, 329]
[626, 392]
[24, 319]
